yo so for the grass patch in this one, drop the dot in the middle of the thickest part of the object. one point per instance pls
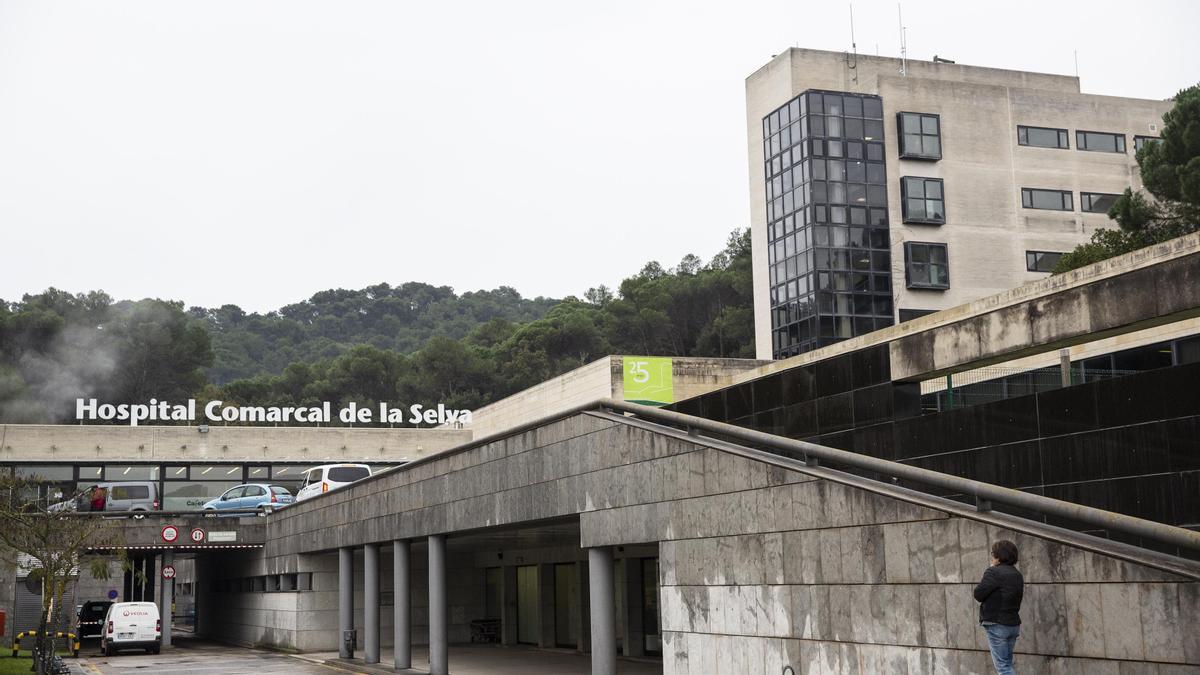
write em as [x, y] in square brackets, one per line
[10, 666]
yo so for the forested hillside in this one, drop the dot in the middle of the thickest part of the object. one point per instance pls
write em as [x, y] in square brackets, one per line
[412, 343]
[400, 318]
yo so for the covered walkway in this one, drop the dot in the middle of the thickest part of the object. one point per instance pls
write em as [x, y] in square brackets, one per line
[495, 660]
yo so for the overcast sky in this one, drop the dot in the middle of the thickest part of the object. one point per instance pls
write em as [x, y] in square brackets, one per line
[256, 152]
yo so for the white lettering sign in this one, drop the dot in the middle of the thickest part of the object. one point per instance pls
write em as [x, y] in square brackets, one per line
[216, 411]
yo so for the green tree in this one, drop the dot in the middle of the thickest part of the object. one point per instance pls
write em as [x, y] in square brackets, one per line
[1170, 171]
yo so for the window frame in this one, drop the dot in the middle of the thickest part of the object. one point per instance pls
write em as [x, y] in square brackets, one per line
[1063, 134]
[908, 266]
[1070, 195]
[1079, 145]
[1032, 267]
[1083, 198]
[904, 200]
[1139, 137]
[904, 152]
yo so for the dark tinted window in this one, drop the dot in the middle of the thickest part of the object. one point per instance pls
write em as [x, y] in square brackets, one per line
[1042, 137]
[1041, 261]
[1098, 141]
[926, 265]
[94, 611]
[1140, 142]
[120, 492]
[280, 490]
[922, 200]
[920, 135]
[1053, 200]
[1096, 202]
[348, 474]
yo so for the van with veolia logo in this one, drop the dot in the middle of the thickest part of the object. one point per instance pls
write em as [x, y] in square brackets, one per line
[131, 625]
[321, 479]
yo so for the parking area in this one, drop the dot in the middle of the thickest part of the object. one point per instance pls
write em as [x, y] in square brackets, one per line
[200, 658]
[208, 658]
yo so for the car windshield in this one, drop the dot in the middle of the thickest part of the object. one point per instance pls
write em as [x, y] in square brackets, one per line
[93, 612]
[348, 474]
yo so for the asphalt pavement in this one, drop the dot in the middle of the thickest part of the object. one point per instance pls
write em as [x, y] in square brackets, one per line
[195, 657]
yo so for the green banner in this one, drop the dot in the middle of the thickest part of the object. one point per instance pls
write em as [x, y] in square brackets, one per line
[648, 380]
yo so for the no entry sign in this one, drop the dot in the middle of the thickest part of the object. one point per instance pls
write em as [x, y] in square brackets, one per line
[168, 571]
[170, 533]
[197, 535]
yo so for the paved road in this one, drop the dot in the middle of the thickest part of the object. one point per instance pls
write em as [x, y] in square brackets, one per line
[200, 658]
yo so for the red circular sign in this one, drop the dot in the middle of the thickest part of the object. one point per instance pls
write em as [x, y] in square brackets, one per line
[168, 571]
[197, 535]
[170, 533]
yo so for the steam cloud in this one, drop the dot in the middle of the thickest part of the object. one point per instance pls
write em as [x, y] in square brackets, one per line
[43, 387]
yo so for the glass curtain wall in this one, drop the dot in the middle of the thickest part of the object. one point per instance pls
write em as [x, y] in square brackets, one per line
[827, 220]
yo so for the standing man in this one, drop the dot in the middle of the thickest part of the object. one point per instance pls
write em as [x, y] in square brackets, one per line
[999, 597]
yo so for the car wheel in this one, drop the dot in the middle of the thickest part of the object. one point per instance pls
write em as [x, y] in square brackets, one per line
[152, 650]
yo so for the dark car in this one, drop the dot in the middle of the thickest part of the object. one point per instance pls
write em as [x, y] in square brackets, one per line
[91, 618]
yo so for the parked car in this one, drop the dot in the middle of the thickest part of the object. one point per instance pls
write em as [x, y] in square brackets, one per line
[252, 496]
[321, 479]
[133, 495]
[91, 618]
[131, 625]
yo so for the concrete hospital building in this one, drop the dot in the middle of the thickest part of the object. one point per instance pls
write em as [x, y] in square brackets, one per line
[923, 387]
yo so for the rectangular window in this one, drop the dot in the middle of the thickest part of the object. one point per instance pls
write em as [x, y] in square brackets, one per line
[1099, 141]
[1140, 142]
[1051, 200]
[1096, 202]
[922, 200]
[1041, 261]
[920, 135]
[1042, 137]
[926, 265]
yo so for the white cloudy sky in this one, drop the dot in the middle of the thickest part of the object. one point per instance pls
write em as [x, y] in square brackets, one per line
[253, 152]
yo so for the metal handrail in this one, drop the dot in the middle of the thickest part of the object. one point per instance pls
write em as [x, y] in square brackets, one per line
[985, 494]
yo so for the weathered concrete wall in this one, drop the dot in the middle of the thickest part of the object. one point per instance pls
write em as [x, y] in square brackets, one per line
[1153, 286]
[307, 620]
[984, 169]
[600, 379]
[112, 443]
[761, 563]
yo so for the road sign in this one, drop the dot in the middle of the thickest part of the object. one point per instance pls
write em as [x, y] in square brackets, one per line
[168, 571]
[197, 535]
[112, 594]
[170, 533]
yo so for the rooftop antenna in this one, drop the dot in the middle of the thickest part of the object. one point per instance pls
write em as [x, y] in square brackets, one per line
[903, 43]
[853, 46]
[1077, 64]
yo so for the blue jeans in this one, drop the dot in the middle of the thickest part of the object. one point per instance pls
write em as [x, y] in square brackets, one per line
[1001, 640]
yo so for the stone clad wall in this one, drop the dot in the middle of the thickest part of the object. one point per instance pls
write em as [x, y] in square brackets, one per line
[763, 565]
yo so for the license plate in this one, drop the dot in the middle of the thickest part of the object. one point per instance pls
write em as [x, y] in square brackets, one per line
[125, 636]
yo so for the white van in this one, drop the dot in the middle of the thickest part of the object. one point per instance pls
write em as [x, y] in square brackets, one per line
[321, 479]
[131, 625]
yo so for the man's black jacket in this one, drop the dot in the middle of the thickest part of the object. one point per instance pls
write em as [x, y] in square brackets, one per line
[1000, 593]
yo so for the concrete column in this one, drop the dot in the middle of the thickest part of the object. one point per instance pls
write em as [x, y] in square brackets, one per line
[345, 600]
[634, 641]
[604, 625]
[585, 626]
[371, 603]
[508, 605]
[438, 647]
[546, 628]
[166, 598]
[1064, 366]
[402, 604]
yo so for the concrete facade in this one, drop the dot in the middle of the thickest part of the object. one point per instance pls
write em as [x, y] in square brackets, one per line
[765, 562]
[103, 443]
[1076, 308]
[603, 378]
[983, 167]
